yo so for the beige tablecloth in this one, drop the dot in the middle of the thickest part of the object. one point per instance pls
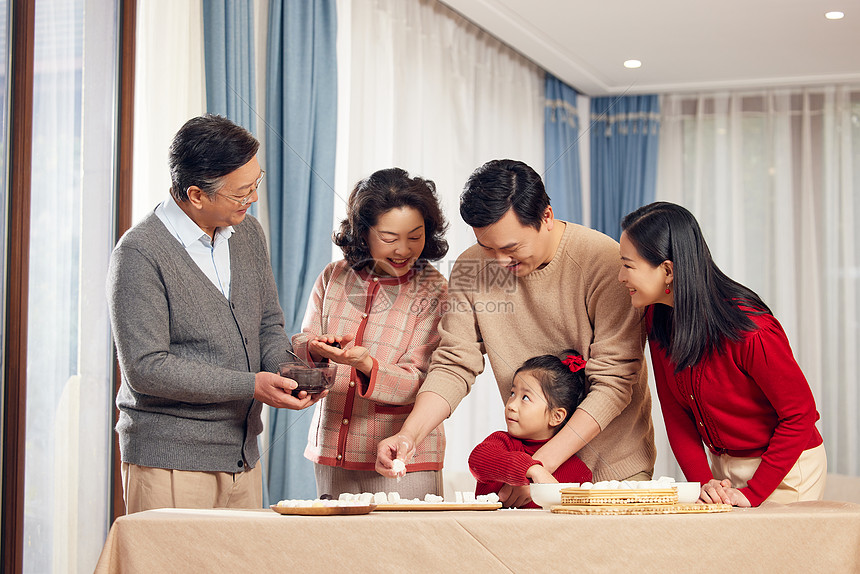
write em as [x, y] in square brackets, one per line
[801, 537]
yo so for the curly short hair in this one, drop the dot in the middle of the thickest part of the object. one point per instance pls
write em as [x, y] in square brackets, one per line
[379, 193]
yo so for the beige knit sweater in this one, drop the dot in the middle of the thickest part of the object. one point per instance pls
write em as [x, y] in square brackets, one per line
[576, 302]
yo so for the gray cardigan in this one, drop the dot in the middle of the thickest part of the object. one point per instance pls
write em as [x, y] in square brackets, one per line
[187, 354]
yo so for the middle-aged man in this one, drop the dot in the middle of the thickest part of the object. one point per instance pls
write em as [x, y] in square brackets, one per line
[534, 285]
[198, 330]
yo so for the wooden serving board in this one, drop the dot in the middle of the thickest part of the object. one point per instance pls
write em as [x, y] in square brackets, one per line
[322, 510]
[629, 509]
[441, 506]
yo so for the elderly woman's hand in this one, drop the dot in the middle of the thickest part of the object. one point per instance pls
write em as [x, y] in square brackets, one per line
[355, 356]
[320, 346]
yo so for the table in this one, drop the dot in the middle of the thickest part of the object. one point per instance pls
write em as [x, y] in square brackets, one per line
[802, 537]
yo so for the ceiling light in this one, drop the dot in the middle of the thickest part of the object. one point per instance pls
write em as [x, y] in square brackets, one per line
[834, 15]
[632, 64]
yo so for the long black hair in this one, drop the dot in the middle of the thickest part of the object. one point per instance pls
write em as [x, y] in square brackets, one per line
[561, 386]
[707, 303]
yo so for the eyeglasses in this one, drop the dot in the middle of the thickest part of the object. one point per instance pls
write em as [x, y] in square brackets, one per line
[245, 199]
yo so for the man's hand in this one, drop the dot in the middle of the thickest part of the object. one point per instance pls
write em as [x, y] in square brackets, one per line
[537, 473]
[274, 390]
[428, 413]
[394, 447]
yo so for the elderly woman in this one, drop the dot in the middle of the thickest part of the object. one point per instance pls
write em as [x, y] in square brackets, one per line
[381, 304]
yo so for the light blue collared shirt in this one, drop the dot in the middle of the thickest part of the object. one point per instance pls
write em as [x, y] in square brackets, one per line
[213, 257]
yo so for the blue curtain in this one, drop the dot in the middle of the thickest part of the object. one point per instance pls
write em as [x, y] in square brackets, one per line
[228, 30]
[228, 49]
[624, 142]
[301, 114]
[561, 145]
[228, 44]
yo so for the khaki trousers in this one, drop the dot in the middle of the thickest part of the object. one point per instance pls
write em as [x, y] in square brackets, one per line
[334, 480]
[145, 488]
[805, 480]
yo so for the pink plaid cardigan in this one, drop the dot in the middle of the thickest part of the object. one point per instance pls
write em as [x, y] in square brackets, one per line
[396, 319]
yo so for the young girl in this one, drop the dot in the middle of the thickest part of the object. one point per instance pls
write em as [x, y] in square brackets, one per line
[545, 392]
[382, 304]
[724, 371]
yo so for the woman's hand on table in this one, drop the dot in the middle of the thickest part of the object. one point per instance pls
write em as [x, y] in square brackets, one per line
[721, 491]
[356, 356]
[514, 496]
[399, 446]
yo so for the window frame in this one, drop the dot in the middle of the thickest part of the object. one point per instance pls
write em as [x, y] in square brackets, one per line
[14, 383]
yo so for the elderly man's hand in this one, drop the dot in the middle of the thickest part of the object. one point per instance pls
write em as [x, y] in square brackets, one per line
[274, 390]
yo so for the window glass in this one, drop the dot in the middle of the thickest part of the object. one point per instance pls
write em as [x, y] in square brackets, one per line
[68, 436]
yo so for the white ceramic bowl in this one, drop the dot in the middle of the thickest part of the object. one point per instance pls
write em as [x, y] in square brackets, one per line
[547, 495]
[688, 492]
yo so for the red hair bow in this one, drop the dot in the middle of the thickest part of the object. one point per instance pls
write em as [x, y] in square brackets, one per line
[574, 363]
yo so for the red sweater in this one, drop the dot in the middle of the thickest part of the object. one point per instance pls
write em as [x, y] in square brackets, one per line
[749, 400]
[503, 459]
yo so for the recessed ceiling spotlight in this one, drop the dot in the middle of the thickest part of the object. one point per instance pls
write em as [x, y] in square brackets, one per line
[632, 64]
[835, 15]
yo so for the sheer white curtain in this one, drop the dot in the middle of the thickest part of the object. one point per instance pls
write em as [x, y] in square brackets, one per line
[68, 413]
[169, 90]
[423, 89]
[773, 178]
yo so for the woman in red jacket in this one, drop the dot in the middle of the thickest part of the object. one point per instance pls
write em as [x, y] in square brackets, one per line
[724, 370]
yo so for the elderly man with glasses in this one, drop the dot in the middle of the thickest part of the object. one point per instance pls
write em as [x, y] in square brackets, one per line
[199, 331]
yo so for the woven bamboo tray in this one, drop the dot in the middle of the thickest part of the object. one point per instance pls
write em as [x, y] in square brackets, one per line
[590, 496]
[629, 509]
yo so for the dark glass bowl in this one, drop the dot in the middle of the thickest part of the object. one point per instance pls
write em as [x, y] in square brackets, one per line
[313, 378]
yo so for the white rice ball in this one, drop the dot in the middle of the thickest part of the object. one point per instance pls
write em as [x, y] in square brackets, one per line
[399, 467]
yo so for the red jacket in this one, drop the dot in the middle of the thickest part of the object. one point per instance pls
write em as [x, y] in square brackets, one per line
[749, 400]
[502, 459]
